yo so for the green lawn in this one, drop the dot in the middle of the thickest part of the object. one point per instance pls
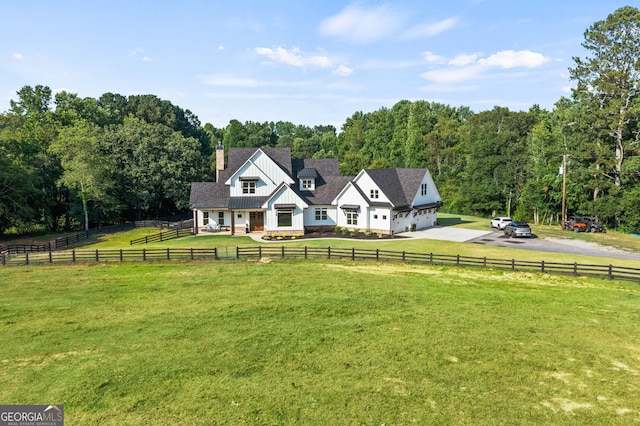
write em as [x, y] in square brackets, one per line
[318, 342]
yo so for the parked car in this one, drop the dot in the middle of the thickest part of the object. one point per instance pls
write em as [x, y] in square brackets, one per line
[517, 229]
[500, 222]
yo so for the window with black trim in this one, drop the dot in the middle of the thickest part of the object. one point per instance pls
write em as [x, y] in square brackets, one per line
[423, 189]
[321, 214]
[374, 194]
[249, 187]
[205, 218]
[285, 218]
[352, 218]
[221, 218]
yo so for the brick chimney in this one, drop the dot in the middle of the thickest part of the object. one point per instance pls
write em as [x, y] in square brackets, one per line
[219, 160]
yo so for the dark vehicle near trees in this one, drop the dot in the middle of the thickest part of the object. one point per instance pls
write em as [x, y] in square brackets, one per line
[518, 229]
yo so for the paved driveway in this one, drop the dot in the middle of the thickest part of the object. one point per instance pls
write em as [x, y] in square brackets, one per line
[447, 233]
[497, 238]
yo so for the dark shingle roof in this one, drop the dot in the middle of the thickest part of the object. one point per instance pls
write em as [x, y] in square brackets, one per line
[208, 195]
[400, 185]
[326, 191]
[323, 166]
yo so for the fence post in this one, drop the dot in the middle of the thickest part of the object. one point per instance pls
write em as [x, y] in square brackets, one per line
[237, 252]
[191, 252]
[542, 266]
[26, 258]
[120, 255]
[305, 252]
[144, 254]
[377, 255]
[259, 252]
[403, 255]
[484, 263]
[328, 252]
[513, 264]
[4, 259]
[283, 252]
[50, 257]
[457, 260]
[353, 253]
[73, 255]
[575, 268]
[610, 272]
[168, 253]
[97, 259]
[431, 258]
[215, 253]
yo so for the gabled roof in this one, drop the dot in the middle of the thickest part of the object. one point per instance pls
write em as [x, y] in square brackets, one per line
[399, 185]
[326, 190]
[239, 156]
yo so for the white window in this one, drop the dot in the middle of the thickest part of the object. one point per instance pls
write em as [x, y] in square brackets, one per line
[248, 187]
[321, 214]
[221, 218]
[205, 218]
[352, 218]
[374, 194]
[307, 184]
[423, 189]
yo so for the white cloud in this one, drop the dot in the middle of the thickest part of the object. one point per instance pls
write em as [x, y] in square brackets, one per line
[17, 56]
[361, 25]
[343, 71]
[294, 57]
[462, 60]
[432, 29]
[452, 75]
[221, 48]
[513, 59]
[135, 52]
[146, 59]
[432, 57]
[471, 67]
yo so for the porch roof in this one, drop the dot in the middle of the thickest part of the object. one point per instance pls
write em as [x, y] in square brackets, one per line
[245, 203]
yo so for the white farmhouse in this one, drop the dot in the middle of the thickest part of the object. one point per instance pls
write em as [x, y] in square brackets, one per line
[264, 190]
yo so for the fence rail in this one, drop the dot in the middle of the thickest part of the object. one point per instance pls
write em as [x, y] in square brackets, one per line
[611, 272]
[162, 236]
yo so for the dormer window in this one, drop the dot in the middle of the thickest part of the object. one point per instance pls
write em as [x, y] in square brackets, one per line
[308, 178]
[423, 189]
[307, 184]
[374, 195]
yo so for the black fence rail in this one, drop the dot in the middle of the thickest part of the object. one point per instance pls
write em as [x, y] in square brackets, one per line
[162, 236]
[25, 248]
[611, 272]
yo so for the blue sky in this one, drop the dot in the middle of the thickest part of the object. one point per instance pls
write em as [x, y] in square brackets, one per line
[308, 62]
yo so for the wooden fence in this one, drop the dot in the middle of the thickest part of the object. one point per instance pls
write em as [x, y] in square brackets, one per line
[162, 236]
[611, 272]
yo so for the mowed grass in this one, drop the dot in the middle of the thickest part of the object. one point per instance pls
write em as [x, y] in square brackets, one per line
[318, 342]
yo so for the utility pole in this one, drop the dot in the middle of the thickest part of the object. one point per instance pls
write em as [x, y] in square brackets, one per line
[564, 189]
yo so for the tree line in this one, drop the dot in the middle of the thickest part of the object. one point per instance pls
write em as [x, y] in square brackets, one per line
[67, 161]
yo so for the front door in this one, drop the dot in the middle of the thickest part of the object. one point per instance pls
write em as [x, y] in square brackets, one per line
[256, 221]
